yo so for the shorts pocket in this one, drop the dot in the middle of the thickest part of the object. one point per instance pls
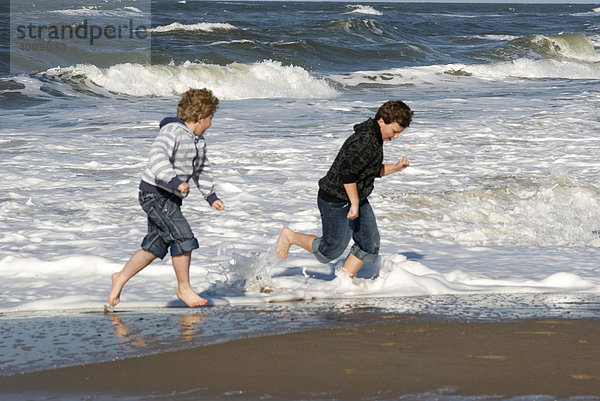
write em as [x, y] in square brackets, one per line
[147, 200]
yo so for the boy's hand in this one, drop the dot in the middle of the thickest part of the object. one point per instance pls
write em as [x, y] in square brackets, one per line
[218, 204]
[353, 212]
[402, 164]
[352, 191]
[184, 188]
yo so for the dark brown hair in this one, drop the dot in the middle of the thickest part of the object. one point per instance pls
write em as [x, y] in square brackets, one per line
[395, 111]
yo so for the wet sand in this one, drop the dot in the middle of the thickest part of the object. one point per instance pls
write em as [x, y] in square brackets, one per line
[401, 355]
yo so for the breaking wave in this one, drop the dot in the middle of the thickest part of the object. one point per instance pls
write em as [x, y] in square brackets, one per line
[566, 46]
[201, 27]
[361, 9]
[265, 79]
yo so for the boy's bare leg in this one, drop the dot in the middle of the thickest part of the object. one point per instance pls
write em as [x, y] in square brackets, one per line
[136, 263]
[287, 238]
[181, 265]
[353, 264]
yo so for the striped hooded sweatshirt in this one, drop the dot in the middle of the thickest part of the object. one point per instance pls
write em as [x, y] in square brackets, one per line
[176, 156]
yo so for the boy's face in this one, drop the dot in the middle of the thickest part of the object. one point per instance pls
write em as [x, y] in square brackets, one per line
[202, 125]
[389, 131]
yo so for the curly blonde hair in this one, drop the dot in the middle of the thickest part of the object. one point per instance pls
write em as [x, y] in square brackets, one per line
[196, 102]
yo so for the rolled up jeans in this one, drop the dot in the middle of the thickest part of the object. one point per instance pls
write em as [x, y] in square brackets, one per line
[338, 229]
[167, 227]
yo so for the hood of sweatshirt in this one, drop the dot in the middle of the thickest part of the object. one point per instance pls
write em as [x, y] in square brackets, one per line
[369, 127]
[169, 120]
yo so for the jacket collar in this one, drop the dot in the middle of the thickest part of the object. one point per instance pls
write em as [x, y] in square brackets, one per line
[169, 120]
[370, 127]
[377, 130]
[176, 120]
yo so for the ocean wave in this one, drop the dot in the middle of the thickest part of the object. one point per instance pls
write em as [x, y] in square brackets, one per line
[533, 69]
[357, 26]
[97, 11]
[595, 11]
[201, 26]
[524, 68]
[266, 79]
[570, 46]
[361, 9]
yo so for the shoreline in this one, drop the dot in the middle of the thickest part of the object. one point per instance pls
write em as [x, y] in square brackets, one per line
[395, 356]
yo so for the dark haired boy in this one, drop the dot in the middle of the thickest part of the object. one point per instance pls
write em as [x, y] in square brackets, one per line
[342, 200]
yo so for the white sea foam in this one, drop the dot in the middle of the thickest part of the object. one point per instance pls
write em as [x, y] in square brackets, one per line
[506, 210]
[502, 195]
[72, 282]
[595, 40]
[528, 68]
[97, 11]
[594, 11]
[362, 9]
[201, 26]
[231, 42]
[441, 74]
[496, 37]
[266, 79]
[132, 9]
[480, 211]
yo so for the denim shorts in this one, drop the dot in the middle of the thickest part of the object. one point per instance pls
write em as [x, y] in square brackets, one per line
[338, 229]
[167, 228]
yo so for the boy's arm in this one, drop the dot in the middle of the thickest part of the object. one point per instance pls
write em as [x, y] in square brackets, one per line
[203, 179]
[352, 191]
[387, 169]
[160, 159]
[351, 166]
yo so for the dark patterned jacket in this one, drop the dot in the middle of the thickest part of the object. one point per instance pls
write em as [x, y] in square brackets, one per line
[359, 160]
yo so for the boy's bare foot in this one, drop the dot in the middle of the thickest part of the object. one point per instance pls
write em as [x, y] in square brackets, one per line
[190, 298]
[114, 296]
[284, 243]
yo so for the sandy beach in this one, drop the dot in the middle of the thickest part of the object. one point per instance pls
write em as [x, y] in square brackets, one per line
[396, 356]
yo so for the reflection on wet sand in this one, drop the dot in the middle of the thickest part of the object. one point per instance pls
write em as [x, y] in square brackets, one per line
[187, 326]
[124, 333]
